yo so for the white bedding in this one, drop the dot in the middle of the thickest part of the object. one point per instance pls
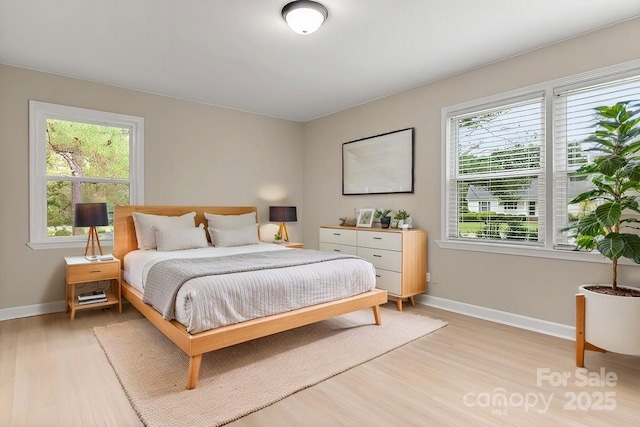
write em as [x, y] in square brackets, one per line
[209, 302]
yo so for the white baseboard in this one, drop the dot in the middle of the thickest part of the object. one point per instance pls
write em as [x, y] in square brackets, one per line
[32, 310]
[530, 323]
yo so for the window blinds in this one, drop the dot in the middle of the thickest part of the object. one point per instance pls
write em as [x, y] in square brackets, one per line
[574, 119]
[496, 172]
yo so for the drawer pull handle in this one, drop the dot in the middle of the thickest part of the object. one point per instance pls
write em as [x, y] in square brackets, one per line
[337, 234]
[377, 275]
[377, 238]
[377, 256]
[336, 250]
[95, 271]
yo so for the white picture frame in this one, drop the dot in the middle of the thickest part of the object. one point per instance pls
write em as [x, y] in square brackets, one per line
[365, 217]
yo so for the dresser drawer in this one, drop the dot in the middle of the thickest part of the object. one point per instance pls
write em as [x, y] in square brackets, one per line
[337, 236]
[382, 258]
[93, 272]
[389, 280]
[332, 247]
[380, 240]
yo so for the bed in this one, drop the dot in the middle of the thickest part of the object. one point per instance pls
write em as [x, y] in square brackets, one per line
[196, 344]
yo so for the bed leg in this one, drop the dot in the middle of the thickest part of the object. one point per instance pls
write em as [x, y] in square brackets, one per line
[194, 370]
[376, 314]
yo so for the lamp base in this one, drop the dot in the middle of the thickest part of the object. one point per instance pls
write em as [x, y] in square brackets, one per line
[93, 238]
[282, 232]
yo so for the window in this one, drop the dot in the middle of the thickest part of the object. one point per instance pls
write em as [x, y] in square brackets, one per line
[484, 206]
[495, 154]
[574, 117]
[79, 155]
[519, 153]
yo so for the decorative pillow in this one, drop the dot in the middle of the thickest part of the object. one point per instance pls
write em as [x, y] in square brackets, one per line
[229, 222]
[144, 224]
[176, 239]
[247, 235]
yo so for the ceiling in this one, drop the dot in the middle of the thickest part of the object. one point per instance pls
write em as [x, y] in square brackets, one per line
[240, 54]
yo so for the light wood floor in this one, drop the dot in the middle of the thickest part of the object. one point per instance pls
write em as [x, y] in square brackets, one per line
[53, 373]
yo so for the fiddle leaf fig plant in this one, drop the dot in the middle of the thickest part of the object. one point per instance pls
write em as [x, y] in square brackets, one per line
[615, 174]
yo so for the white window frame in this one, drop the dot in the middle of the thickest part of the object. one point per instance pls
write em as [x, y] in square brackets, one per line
[548, 250]
[39, 112]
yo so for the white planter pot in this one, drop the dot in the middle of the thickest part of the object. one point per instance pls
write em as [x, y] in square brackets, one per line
[612, 322]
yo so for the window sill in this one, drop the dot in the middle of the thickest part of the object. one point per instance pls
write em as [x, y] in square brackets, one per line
[537, 252]
[67, 244]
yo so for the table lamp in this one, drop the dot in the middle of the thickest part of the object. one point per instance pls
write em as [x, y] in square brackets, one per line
[91, 215]
[283, 214]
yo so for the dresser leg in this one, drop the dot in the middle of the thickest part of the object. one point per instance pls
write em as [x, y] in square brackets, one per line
[399, 303]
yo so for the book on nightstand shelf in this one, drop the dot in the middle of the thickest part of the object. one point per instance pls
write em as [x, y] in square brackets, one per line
[93, 301]
[92, 297]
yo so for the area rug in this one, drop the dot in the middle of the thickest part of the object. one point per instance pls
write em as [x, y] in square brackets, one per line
[238, 380]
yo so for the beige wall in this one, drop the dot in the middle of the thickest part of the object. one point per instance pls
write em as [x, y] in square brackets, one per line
[535, 287]
[194, 154]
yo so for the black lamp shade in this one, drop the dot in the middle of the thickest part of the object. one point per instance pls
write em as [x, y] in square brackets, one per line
[91, 215]
[283, 214]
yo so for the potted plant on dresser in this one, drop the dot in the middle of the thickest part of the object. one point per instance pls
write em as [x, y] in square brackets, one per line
[382, 215]
[607, 316]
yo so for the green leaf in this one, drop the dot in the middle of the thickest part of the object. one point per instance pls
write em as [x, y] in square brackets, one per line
[603, 187]
[608, 214]
[632, 247]
[611, 164]
[589, 226]
[587, 195]
[611, 246]
[586, 242]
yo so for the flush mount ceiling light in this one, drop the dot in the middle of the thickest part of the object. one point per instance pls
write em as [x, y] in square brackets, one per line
[304, 16]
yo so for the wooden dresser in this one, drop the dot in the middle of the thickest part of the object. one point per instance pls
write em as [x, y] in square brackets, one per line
[399, 256]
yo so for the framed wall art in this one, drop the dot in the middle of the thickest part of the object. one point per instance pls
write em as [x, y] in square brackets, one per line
[380, 164]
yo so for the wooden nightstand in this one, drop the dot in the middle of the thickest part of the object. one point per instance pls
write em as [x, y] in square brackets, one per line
[80, 270]
[294, 245]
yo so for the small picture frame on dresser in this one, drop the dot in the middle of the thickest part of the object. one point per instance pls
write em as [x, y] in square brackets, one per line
[365, 217]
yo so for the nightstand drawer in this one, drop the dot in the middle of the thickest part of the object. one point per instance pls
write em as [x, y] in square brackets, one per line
[93, 272]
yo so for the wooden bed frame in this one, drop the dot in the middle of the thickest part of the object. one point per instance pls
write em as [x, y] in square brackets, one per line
[195, 345]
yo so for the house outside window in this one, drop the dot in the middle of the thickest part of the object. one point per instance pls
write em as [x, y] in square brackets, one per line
[522, 149]
[79, 156]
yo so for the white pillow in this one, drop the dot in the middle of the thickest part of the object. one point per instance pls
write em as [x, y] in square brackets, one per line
[144, 224]
[176, 239]
[247, 235]
[229, 222]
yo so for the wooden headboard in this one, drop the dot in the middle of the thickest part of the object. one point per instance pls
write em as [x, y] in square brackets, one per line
[124, 232]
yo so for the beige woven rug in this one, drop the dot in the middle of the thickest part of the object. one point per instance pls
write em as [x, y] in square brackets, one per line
[238, 380]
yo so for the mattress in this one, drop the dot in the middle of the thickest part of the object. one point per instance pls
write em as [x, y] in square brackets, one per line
[213, 301]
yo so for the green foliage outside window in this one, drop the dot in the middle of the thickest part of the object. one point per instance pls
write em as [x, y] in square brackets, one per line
[83, 164]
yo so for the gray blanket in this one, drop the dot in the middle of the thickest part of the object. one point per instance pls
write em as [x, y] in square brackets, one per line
[166, 277]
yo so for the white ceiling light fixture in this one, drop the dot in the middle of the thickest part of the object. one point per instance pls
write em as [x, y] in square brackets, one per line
[305, 16]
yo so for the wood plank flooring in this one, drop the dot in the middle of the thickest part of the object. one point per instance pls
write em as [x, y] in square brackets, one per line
[53, 373]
